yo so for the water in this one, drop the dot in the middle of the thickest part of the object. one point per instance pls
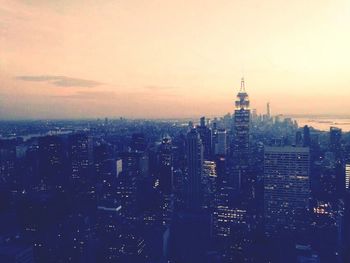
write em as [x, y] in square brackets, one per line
[33, 135]
[324, 123]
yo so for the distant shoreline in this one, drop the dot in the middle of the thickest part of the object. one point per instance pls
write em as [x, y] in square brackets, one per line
[323, 123]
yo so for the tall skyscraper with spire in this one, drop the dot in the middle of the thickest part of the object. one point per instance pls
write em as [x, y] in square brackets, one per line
[240, 146]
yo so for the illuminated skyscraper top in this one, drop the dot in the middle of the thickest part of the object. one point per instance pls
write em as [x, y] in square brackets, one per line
[242, 101]
[240, 150]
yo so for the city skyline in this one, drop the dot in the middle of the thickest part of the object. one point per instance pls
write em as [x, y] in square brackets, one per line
[74, 59]
[174, 131]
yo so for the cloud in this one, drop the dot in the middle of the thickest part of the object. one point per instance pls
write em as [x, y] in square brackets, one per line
[83, 95]
[61, 81]
[155, 87]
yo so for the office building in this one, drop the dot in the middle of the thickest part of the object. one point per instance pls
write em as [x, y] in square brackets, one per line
[286, 188]
[206, 137]
[347, 176]
[165, 172]
[194, 170]
[221, 145]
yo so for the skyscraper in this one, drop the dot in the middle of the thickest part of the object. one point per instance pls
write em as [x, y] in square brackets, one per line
[138, 142]
[306, 136]
[7, 162]
[298, 138]
[221, 145]
[214, 138]
[105, 172]
[335, 135]
[80, 149]
[347, 177]
[287, 188]
[166, 166]
[268, 110]
[209, 182]
[194, 165]
[51, 160]
[205, 134]
[241, 127]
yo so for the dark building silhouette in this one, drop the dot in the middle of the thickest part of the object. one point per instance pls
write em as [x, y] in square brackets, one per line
[166, 166]
[221, 168]
[7, 164]
[163, 191]
[206, 137]
[104, 162]
[80, 154]
[194, 173]
[306, 136]
[52, 160]
[209, 184]
[335, 135]
[221, 145]
[138, 142]
[298, 138]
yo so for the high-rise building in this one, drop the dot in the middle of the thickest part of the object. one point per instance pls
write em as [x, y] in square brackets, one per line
[138, 142]
[225, 219]
[221, 168]
[119, 166]
[135, 163]
[221, 214]
[221, 145]
[286, 188]
[51, 161]
[306, 136]
[241, 129]
[178, 182]
[206, 137]
[104, 162]
[7, 162]
[105, 172]
[135, 167]
[166, 166]
[226, 121]
[109, 230]
[209, 183]
[335, 135]
[268, 110]
[126, 192]
[194, 170]
[214, 138]
[347, 176]
[230, 225]
[80, 149]
[254, 114]
[298, 138]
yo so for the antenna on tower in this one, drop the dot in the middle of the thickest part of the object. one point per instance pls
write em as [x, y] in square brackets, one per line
[242, 85]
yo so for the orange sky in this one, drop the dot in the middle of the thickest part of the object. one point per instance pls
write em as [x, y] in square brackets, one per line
[167, 58]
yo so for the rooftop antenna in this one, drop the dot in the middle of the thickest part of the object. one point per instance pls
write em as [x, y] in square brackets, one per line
[242, 85]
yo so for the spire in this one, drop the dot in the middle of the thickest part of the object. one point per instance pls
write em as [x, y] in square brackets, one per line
[242, 85]
[242, 101]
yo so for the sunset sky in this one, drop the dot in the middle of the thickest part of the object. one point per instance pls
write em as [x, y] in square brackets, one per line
[172, 58]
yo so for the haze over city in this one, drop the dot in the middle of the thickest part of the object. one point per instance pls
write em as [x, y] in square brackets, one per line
[163, 131]
[157, 59]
